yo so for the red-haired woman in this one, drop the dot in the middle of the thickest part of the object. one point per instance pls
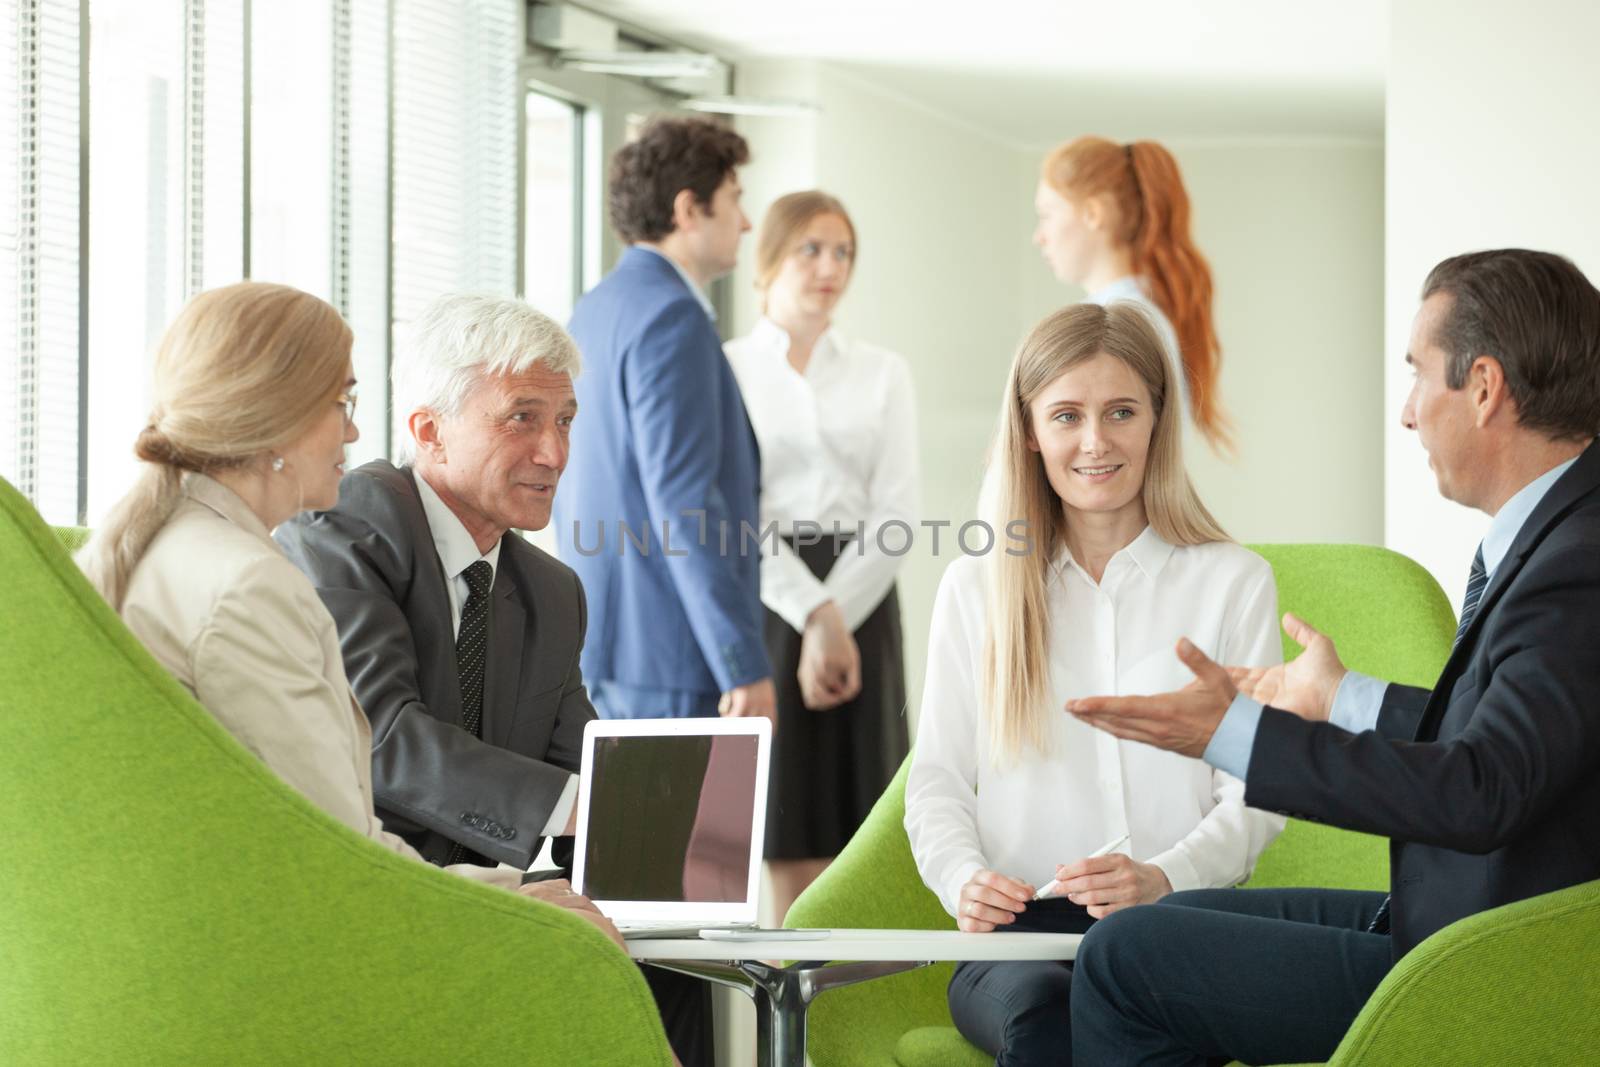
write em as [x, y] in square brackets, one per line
[1114, 219]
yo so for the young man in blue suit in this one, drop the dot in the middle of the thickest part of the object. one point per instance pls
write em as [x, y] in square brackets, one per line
[665, 474]
[1488, 785]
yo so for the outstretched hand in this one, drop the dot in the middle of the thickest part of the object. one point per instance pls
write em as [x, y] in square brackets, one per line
[1306, 685]
[1180, 722]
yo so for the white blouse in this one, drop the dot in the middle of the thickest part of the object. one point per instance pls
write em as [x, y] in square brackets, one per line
[838, 445]
[964, 813]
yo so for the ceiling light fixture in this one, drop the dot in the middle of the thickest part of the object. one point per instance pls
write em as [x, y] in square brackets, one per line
[751, 105]
[644, 64]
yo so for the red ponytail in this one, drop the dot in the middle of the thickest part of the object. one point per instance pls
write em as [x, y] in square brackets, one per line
[1152, 215]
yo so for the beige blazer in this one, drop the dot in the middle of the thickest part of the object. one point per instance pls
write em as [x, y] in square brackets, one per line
[219, 605]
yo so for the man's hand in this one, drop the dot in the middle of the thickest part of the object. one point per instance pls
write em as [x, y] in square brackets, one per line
[1306, 685]
[989, 900]
[830, 660]
[558, 891]
[757, 698]
[1111, 882]
[1180, 722]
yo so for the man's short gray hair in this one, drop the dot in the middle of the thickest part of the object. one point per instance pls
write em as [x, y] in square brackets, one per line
[458, 340]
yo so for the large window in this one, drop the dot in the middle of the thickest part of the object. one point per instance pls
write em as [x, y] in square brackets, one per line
[363, 150]
[136, 222]
[553, 205]
[42, 42]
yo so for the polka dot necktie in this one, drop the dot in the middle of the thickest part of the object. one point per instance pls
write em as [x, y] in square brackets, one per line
[471, 650]
[1477, 580]
[472, 644]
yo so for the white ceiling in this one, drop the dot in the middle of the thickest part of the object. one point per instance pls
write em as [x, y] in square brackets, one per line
[1030, 70]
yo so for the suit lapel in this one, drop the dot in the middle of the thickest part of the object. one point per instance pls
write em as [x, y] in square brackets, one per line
[503, 669]
[432, 631]
[1570, 489]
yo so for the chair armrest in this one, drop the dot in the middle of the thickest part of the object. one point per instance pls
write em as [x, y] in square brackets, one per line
[1515, 984]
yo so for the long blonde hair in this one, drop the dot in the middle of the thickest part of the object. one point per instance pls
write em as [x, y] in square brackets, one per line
[242, 371]
[1016, 674]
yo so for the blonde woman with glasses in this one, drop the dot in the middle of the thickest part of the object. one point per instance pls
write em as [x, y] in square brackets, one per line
[1009, 796]
[254, 404]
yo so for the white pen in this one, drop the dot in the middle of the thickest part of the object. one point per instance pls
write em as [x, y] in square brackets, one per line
[1053, 886]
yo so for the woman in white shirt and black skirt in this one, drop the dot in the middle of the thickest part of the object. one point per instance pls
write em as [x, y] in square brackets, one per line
[1116, 561]
[836, 421]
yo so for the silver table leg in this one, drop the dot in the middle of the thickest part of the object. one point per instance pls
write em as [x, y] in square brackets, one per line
[782, 995]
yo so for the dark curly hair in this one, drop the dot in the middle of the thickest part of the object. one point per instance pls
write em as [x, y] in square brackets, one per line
[669, 155]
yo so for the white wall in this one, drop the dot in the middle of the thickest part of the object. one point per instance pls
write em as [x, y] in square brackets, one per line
[1294, 233]
[1489, 145]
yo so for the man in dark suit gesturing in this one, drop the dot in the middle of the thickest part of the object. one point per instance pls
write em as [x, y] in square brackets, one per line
[1488, 785]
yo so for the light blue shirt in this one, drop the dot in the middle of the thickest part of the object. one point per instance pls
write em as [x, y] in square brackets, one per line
[1359, 698]
[699, 294]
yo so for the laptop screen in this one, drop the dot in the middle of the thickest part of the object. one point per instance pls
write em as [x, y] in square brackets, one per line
[671, 818]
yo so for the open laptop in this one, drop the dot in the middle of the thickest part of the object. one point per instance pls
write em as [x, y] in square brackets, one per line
[672, 814]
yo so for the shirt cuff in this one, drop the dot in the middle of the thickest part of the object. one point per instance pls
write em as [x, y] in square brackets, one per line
[1179, 870]
[556, 825]
[956, 883]
[1357, 702]
[1230, 746]
[797, 612]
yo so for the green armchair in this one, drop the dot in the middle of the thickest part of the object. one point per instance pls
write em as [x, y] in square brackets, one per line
[1511, 986]
[164, 898]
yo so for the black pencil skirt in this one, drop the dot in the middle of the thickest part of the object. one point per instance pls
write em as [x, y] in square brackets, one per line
[829, 767]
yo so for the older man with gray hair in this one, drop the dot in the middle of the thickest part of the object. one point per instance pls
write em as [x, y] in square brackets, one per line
[460, 638]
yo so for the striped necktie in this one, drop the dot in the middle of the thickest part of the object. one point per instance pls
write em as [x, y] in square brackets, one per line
[1476, 581]
[472, 647]
[1475, 585]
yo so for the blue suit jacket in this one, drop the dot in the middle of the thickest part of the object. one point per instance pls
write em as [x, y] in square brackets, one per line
[661, 440]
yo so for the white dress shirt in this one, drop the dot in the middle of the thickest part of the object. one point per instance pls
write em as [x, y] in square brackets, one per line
[966, 812]
[838, 445]
[458, 551]
[1131, 290]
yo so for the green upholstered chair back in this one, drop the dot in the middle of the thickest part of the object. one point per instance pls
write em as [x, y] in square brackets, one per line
[1388, 617]
[164, 898]
[1515, 984]
[71, 538]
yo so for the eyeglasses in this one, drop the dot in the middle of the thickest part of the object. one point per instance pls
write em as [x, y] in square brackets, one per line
[347, 400]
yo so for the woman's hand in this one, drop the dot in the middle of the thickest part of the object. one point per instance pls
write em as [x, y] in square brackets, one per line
[830, 661]
[991, 900]
[1109, 883]
[558, 891]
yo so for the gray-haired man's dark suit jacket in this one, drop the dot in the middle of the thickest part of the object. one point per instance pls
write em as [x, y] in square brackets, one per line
[373, 561]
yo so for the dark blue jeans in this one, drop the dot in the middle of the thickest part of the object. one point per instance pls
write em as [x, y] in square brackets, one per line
[1258, 975]
[1017, 1010]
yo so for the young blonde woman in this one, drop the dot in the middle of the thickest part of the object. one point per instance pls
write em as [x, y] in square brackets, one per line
[835, 419]
[1114, 220]
[1007, 792]
[254, 403]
